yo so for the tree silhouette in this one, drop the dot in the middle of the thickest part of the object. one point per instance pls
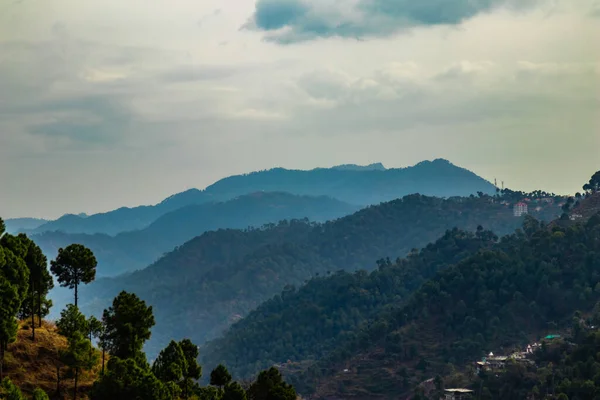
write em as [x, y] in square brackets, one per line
[74, 264]
[9, 305]
[40, 281]
[76, 357]
[126, 380]
[234, 391]
[270, 386]
[71, 321]
[594, 184]
[128, 322]
[220, 376]
[193, 370]
[170, 366]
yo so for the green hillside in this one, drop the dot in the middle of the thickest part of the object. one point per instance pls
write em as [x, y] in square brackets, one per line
[528, 285]
[305, 324]
[129, 251]
[208, 283]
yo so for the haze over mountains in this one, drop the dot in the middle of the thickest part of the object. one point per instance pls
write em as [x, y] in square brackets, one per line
[199, 289]
[237, 276]
[358, 185]
[133, 250]
[127, 239]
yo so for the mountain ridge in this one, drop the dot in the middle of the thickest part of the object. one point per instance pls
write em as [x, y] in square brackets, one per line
[210, 281]
[351, 184]
[128, 251]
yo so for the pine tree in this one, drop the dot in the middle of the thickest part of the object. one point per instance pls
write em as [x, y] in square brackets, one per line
[234, 391]
[77, 357]
[220, 376]
[72, 321]
[128, 322]
[170, 366]
[194, 370]
[9, 305]
[40, 282]
[74, 265]
[270, 386]
[126, 380]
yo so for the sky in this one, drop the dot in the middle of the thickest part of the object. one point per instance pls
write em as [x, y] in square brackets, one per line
[117, 103]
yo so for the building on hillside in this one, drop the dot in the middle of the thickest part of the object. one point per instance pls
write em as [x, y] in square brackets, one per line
[520, 209]
[574, 217]
[457, 394]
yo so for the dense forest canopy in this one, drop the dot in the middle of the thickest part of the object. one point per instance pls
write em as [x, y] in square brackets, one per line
[202, 287]
[526, 286]
[119, 369]
[129, 251]
[307, 323]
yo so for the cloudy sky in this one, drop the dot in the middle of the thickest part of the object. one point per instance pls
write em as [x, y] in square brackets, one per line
[105, 103]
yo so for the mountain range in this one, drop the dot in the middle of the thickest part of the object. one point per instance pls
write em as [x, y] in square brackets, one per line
[205, 285]
[357, 185]
[379, 334]
[129, 251]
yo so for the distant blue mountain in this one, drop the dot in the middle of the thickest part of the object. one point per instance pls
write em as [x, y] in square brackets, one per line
[15, 225]
[358, 185]
[133, 250]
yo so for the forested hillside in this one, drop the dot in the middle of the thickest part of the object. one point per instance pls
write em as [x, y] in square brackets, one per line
[40, 360]
[566, 368]
[211, 281]
[354, 185]
[134, 250]
[529, 284]
[305, 324]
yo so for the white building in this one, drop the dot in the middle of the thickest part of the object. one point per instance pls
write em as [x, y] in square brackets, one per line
[520, 209]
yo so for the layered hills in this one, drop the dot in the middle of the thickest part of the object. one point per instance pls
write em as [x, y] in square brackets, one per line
[213, 280]
[14, 225]
[527, 285]
[351, 184]
[306, 324]
[129, 251]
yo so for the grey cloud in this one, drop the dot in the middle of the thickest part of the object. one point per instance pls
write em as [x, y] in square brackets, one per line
[275, 14]
[304, 20]
[78, 122]
[197, 73]
[595, 11]
[492, 96]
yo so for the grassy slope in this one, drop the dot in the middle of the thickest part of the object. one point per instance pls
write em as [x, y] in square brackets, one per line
[32, 364]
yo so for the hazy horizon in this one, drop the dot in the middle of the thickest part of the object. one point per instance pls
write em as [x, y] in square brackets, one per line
[107, 104]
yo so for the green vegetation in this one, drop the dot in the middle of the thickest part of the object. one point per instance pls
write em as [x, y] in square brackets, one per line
[74, 264]
[560, 368]
[593, 185]
[307, 323]
[124, 329]
[528, 285]
[10, 391]
[212, 271]
[131, 250]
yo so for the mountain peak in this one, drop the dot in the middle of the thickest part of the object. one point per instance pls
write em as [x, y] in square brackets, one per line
[355, 167]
